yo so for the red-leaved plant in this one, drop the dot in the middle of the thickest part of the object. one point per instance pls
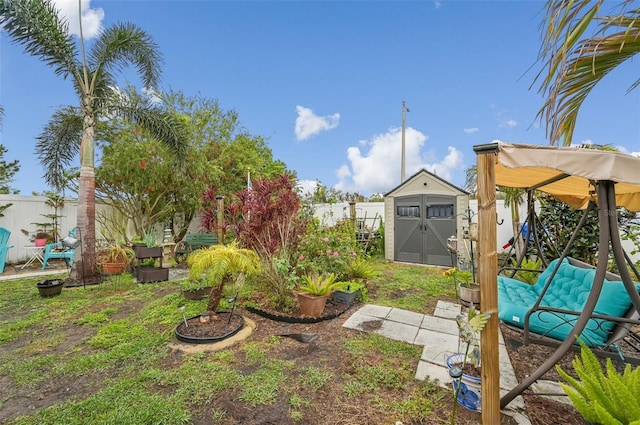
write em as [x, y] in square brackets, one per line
[268, 216]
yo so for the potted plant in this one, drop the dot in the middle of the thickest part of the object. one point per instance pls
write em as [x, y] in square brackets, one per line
[115, 258]
[603, 397]
[49, 287]
[313, 293]
[466, 386]
[147, 247]
[347, 292]
[195, 289]
[39, 238]
[469, 290]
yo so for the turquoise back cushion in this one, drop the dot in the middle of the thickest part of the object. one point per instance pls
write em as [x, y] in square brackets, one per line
[569, 290]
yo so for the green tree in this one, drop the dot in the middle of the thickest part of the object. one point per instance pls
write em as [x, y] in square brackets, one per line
[36, 26]
[8, 170]
[321, 194]
[140, 181]
[574, 62]
[220, 156]
[137, 179]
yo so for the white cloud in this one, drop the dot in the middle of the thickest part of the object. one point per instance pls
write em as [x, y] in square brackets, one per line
[507, 123]
[375, 165]
[471, 130]
[153, 95]
[307, 187]
[91, 18]
[636, 154]
[309, 124]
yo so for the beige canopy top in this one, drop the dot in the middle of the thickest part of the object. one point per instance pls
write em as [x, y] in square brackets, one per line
[568, 173]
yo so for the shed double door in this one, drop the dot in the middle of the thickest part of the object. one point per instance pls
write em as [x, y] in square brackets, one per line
[423, 223]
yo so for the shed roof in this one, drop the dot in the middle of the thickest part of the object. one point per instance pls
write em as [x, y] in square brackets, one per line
[430, 175]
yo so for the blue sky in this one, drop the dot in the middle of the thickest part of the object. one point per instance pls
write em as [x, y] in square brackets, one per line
[324, 81]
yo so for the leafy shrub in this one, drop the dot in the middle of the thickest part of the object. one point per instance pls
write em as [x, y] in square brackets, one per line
[531, 272]
[268, 216]
[359, 268]
[327, 249]
[610, 398]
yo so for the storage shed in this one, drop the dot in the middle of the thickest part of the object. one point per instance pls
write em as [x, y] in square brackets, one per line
[420, 215]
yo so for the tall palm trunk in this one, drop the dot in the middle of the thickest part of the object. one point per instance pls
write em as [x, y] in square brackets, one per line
[85, 268]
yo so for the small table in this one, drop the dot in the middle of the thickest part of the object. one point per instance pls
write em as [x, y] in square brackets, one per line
[37, 253]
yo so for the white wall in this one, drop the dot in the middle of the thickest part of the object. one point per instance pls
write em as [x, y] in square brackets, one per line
[27, 210]
[329, 213]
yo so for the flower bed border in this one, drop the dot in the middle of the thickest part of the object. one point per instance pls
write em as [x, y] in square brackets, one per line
[295, 319]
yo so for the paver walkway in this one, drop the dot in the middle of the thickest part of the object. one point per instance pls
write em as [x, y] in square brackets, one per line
[438, 334]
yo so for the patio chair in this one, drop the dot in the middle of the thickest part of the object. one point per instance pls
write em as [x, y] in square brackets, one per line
[58, 251]
[4, 246]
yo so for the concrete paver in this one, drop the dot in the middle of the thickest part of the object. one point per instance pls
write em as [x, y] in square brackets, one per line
[438, 334]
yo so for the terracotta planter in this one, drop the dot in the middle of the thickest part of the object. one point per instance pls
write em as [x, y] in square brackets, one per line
[470, 295]
[49, 288]
[113, 268]
[311, 305]
[40, 242]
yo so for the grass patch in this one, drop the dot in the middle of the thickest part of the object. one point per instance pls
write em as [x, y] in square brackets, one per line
[111, 344]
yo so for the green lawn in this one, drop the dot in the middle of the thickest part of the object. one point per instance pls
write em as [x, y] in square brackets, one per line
[103, 355]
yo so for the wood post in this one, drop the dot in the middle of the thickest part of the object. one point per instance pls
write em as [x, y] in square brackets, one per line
[488, 279]
[220, 208]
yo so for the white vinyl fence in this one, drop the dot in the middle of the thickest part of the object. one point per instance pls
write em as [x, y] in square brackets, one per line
[27, 210]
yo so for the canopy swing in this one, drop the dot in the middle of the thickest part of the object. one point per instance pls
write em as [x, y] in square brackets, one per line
[535, 239]
[546, 311]
[577, 177]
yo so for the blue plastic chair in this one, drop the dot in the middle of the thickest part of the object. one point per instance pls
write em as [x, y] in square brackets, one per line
[58, 251]
[4, 246]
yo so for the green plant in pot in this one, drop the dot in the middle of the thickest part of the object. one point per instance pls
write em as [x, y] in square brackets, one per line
[313, 293]
[195, 289]
[466, 385]
[348, 291]
[465, 284]
[115, 258]
[603, 396]
[39, 238]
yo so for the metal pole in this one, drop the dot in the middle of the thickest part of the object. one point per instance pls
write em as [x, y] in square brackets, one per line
[404, 113]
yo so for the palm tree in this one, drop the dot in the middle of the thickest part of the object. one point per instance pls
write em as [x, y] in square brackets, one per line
[221, 264]
[35, 24]
[574, 65]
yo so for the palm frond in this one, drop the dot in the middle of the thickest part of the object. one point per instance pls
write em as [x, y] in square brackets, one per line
[126, 44]
[35, 24]
[59, 143]
[163, 125]
[574, 66]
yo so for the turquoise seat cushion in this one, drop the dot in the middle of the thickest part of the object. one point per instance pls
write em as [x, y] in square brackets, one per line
[569, 290]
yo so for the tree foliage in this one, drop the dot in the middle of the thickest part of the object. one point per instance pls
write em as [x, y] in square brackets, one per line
[581, 45]
[35, 25]
[8, 170]
[137, 178]
[268, 216]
